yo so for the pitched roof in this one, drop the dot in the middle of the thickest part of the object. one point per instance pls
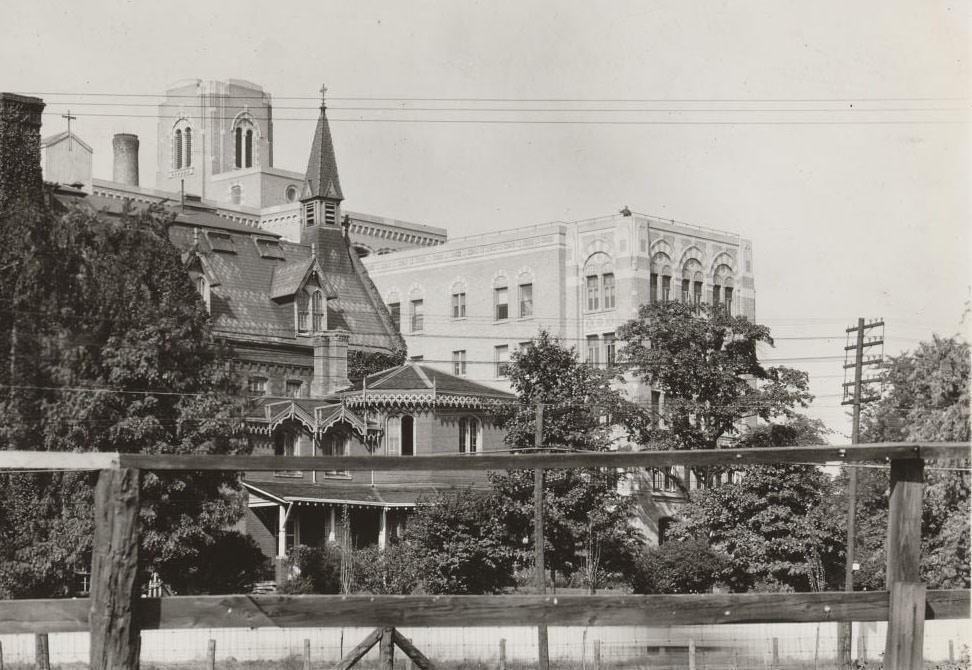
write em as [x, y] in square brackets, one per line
[54, 139]
[413, 383]
[342, 492]
[321, 179]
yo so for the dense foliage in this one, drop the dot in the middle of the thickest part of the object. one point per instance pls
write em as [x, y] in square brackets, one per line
[363, 363]
[313, 570]
[926, 397]
[705, 362]
[105, 346]
[686, 566]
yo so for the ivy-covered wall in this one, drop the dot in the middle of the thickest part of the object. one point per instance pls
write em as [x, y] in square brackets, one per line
[20, 157]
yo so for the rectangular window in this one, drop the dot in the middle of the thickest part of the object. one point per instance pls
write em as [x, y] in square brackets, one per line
[418, 316]
[501, 355]
[655, 408]
[610, 349]
[395, 309]
[592, 347]
[295, 388]
[686, 290]
[607, 282]
[257, 385]
[501, 299]
[526, 300]
[715, 295]
[458, 305]
[593, 294]
[666, 288]
[653, 288]
[728, 291]
[697, 292]
[459, 362]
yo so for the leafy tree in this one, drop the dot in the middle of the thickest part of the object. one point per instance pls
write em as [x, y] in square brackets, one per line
[705, 362]
[687, 566]
[586, 520]
[393, 570]
[313, 570]
[775, 523]
[364, 363]
[925, 398]
[105, 346]
[231, 563]
[459, 543]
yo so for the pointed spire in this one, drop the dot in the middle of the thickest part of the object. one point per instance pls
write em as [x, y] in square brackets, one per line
[321, 180]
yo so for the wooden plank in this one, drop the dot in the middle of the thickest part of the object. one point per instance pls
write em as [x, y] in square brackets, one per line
[410, 650]
[904, 521]
[906, 627]
[816, 454]
[30, 460]
[359, 651]
[178, 612]
[114, 572]
[58, 460]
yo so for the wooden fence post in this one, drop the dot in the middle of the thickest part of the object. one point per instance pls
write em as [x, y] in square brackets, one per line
[211, 655]
[906, 609]
[306, 654]
[1, 652]
[502, 656]
[386, 649]
[597, 655]
[951, 653]
[776, 653]
[42, 652]
[691, 654]
[861, 645]
[114, 570]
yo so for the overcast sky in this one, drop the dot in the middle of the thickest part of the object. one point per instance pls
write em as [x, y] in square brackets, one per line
[835, 135]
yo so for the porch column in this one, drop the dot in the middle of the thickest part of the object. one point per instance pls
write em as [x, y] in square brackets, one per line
[331, 530]
[281, 531]
[383, 529]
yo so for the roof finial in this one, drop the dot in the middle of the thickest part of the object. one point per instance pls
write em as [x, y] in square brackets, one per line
[323, 96]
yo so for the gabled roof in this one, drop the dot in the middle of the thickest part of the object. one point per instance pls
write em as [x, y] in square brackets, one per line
[59, 137]
[321, 179]
[287, 279]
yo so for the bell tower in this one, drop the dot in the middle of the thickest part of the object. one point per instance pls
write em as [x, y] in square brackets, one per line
[321, 197]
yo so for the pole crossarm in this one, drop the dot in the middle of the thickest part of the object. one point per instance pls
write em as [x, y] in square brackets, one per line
[860, 453]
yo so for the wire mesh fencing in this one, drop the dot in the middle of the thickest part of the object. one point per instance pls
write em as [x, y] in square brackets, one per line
[717, 647]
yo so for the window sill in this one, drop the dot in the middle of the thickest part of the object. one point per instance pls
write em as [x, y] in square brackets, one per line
[337, 474]
[289, 474]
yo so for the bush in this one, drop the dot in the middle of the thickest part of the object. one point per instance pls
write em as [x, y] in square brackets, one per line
[313, 570]
[231, 563]
[390, 571]
[687, 566]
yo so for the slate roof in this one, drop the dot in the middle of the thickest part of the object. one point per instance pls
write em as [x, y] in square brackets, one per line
[321, 179]
[343, 492]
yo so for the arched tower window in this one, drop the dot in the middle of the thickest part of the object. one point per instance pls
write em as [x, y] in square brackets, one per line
[177, 149]
[318, 311]
[244, 134]
[181, 145]
[187, 154]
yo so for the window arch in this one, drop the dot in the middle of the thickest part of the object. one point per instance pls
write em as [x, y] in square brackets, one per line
[318, 311]
[244, 135]
[660, 286]
[470, 431]
[600, 292]
[722, 287]
[692, 281]
[181, 145]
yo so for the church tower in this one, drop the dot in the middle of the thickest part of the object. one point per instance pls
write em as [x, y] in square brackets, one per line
[321, 196]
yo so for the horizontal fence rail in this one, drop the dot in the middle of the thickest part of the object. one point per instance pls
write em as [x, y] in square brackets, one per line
[256, 611]
[859, 453]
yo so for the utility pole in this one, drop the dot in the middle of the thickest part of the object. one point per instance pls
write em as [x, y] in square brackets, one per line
[854, 394]
[542, 639]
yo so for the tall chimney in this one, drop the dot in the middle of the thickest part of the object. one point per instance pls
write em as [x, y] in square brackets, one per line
[125, 169]
[330, 363]
[20, 150]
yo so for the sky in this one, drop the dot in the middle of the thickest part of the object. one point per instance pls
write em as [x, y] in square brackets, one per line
[834, 135]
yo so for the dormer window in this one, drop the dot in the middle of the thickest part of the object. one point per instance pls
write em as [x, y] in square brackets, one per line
[318, 311]
[311, 311]
[303, 312]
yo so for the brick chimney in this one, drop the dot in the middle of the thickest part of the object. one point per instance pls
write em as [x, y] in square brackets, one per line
[330, 363]
[20, 148]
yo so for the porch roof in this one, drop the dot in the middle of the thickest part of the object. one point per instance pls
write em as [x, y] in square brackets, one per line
[340, 493]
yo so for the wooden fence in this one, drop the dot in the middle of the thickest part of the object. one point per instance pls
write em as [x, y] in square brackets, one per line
[114, 614]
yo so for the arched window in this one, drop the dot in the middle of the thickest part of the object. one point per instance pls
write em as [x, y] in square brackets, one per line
[248, 149]
[660, 281]
[181, 145]
[244, 134]
[469, 434]
[187, 138]
[177, 149]
[692, 282]
[722, 285]
[319, 312]
[599, 287]
[408, 436]
[303, 312]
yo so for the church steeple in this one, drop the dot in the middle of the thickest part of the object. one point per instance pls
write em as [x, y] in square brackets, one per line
[322, 195]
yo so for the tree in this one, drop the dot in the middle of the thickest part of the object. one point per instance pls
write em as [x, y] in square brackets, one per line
[107, 347]
[705, 362]
[925, 398]
[586, 519]
[313, 570]
[687, 566]
[776, 524]
[459, 543]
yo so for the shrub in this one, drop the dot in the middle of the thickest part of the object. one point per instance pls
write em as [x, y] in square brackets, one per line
[313, 570]
[687, 566]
